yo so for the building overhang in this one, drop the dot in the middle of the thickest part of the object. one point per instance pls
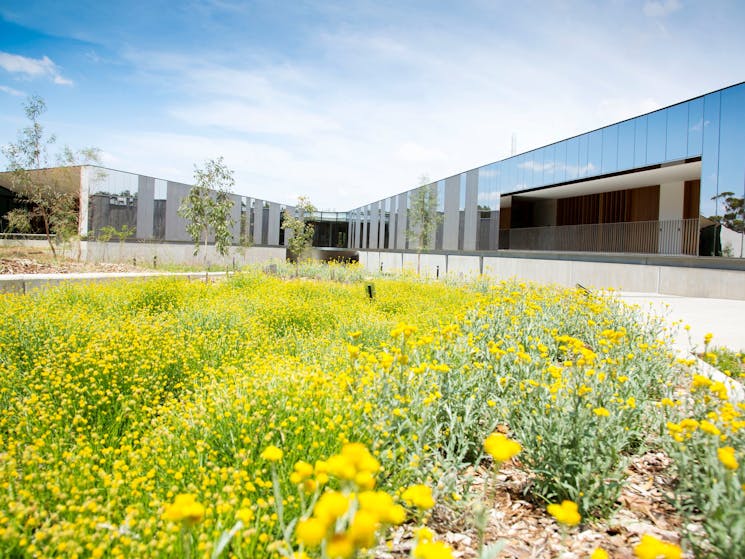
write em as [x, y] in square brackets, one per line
[672, 172]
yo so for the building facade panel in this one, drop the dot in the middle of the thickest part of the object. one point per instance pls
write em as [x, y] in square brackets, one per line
[145, 207]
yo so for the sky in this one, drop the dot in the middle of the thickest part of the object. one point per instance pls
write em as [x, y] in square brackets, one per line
[350, 101]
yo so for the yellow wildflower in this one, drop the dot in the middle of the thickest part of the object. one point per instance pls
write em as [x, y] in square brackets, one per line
[341, 546]
[419, 496]
[272, 454]
[601, 412]
[184, 509]
[599, 553]
[432, 550]
[726, 456]
[501, 448]
[310, 532]
[565, 513]
[652, 548]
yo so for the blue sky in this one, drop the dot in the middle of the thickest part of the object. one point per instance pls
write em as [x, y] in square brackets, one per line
[350, 101]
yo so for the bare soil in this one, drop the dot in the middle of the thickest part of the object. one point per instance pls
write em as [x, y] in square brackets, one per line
[27, 260]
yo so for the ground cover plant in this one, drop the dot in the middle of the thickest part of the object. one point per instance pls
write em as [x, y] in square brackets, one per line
[264, 416]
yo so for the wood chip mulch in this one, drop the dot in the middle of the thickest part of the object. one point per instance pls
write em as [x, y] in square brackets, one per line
[528, 532]
[31, 266]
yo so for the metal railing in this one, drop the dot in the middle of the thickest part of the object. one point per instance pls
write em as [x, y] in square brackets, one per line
[679, 236]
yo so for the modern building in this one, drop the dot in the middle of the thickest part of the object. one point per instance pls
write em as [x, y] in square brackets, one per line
[645, 186]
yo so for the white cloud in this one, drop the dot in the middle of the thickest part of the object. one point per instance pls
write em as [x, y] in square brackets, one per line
[264, 118]
[11, 91]
[661, 8]
[32, 67]
[416, 153]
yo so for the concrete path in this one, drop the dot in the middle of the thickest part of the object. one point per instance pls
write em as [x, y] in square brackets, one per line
[723, 318]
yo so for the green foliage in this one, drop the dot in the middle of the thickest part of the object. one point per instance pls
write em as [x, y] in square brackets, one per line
[703, 424]
[299, 232]
[19, 220]
[52, 193]
[423, 216]
[207, 207]
[734, 211]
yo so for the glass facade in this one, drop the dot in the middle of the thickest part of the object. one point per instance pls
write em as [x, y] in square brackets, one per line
[472, 210]
[709, 129]
[146, 209]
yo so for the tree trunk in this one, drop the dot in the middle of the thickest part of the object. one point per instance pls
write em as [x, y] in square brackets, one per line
[206, 238]
[45, 219]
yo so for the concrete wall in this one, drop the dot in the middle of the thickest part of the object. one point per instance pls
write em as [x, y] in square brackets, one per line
[463, 266]
[732, 241]
[178, 254]
[175, 224]
[645, 278]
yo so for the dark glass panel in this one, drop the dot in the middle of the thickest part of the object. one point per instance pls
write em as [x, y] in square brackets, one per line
[640, 141]
[695, 126]
[732, 142]
[594, 153]
[560, 162]
[656, 137]
[710, 153]
[572, 159]
[582, 168]
[609, 162]
[626, 145]
[677, 132]
[548, 164]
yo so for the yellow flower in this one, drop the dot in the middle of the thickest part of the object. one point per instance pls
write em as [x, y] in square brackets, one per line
[710, 428]
[601, 412]
[184, 509]
[272, 454]
[302, 471]
[565, 513]
[432, 550]
[363, 527]
[340, 547]
[419, 496]
[310, 532]
[652, 548]
[331, 506]
[726, 456]
[424, 534]
[245, 515]
[707, 338]
[599, 553]
[500, 447]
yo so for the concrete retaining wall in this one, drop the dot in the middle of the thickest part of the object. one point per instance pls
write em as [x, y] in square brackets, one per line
[646, 278]
[183, 254]
[26, 283]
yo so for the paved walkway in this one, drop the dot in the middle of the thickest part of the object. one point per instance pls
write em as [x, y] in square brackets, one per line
[724, 318]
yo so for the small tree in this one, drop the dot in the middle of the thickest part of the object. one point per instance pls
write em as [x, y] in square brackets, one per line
[51, 194]
[423, 217]
[300, 231]
[207, 207]
[734, 211]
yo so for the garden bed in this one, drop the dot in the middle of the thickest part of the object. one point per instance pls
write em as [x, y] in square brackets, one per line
[164, 418]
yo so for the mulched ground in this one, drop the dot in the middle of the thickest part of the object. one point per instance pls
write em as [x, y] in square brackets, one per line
[19, 265]
[528, 532]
